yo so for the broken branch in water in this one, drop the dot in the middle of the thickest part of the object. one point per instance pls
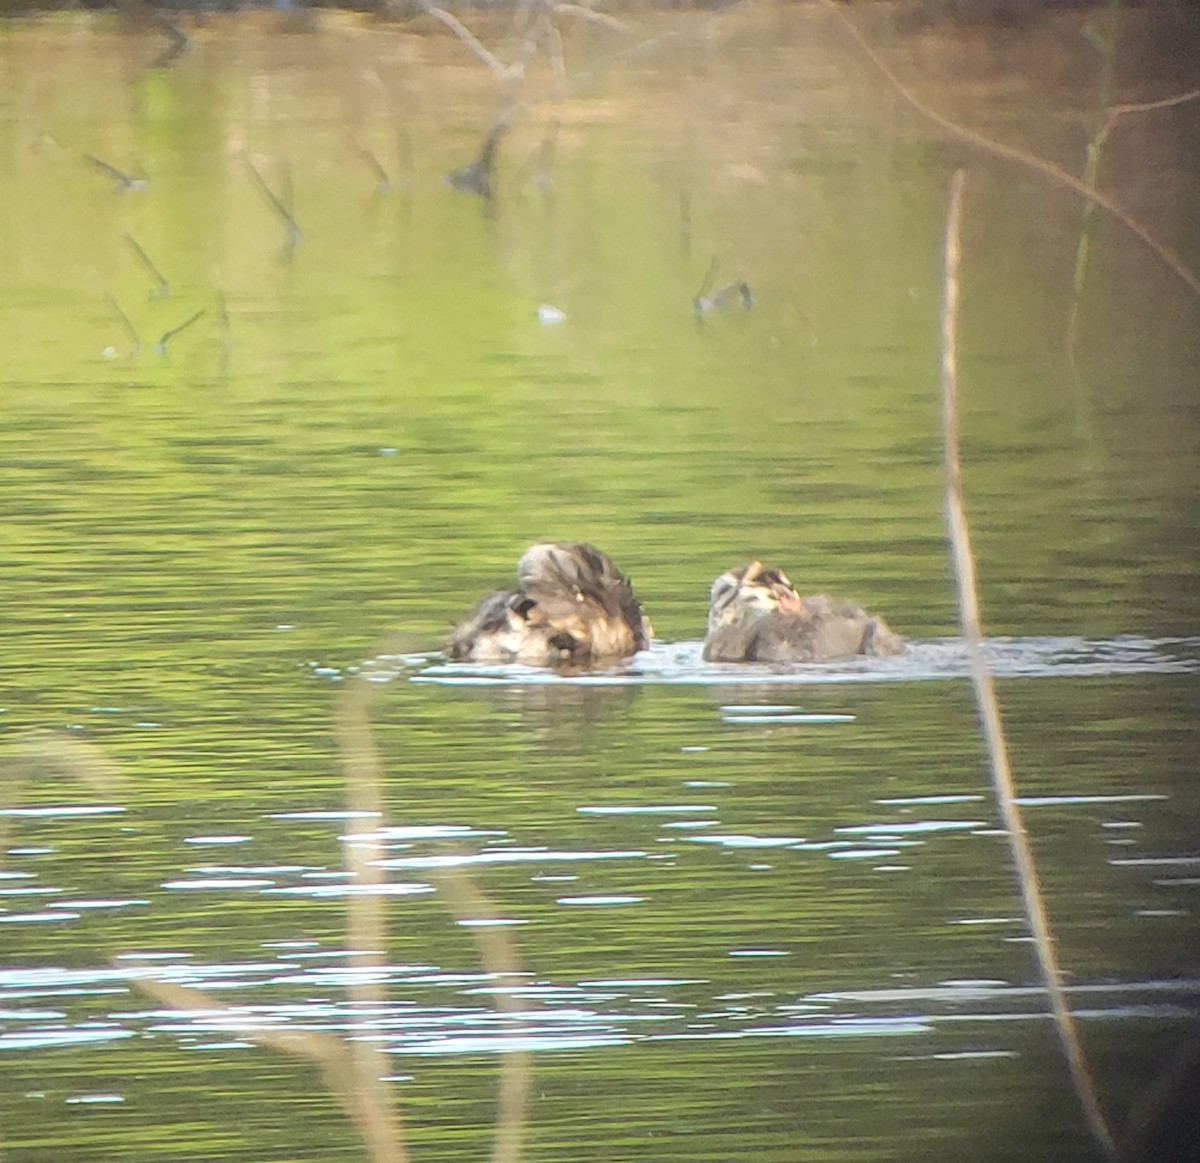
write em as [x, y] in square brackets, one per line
[163, 290]
[123, 180]
[382, 181]
[477, 177]
[130, 330]
[160, 348]
[703, 302]
[293, 232]
[180, 42]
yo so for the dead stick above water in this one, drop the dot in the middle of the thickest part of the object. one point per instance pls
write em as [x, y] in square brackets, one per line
[382, 181]
[294, 233]
[164, 288]
[161, 346]
[985, 692]
[123, 180]
[128, 325]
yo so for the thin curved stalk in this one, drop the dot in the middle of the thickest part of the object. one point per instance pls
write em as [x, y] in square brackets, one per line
[1003, 785]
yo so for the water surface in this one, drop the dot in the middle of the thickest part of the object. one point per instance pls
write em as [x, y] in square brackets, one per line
[757, 911]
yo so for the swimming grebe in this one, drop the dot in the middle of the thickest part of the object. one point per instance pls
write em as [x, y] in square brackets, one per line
[757, 616]
[573, 607]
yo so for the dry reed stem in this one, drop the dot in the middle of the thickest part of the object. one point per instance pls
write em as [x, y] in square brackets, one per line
[985, 692]
[53, 755]
[331, 1055]
[363, 771]
[1020, 156]
[281, 205]
[351, 1069]
[366, 920]
[498, 954]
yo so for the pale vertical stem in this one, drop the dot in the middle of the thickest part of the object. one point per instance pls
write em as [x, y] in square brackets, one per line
[985, 692]
[499, 956]
[366, 925]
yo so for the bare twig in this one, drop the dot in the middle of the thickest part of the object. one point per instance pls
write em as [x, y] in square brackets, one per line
[1021, 157]
[985, 692]
[1105, 43]
[1151, 106]
[179, 40]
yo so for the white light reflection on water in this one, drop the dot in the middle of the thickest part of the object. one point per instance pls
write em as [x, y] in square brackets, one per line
[427, 1012]
[61, 810]
[37, 918]
[513, 856]
[599, 900]
[327, 891]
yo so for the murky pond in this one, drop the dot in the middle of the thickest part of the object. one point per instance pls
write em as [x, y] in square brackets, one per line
[280, 402]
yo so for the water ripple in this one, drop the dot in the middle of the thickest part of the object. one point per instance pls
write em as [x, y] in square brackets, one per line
[680, 664]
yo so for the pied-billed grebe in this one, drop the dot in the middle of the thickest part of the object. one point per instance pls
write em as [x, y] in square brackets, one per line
[757, 616]
[573, 607]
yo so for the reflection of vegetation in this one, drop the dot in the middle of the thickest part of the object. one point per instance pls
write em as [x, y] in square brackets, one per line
[1103, 37]
[1022, 157]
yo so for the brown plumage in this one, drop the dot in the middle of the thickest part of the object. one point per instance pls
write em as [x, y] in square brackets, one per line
[757, 616]
[573, 607]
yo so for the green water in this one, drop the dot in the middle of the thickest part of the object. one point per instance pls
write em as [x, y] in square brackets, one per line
[737, 941]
